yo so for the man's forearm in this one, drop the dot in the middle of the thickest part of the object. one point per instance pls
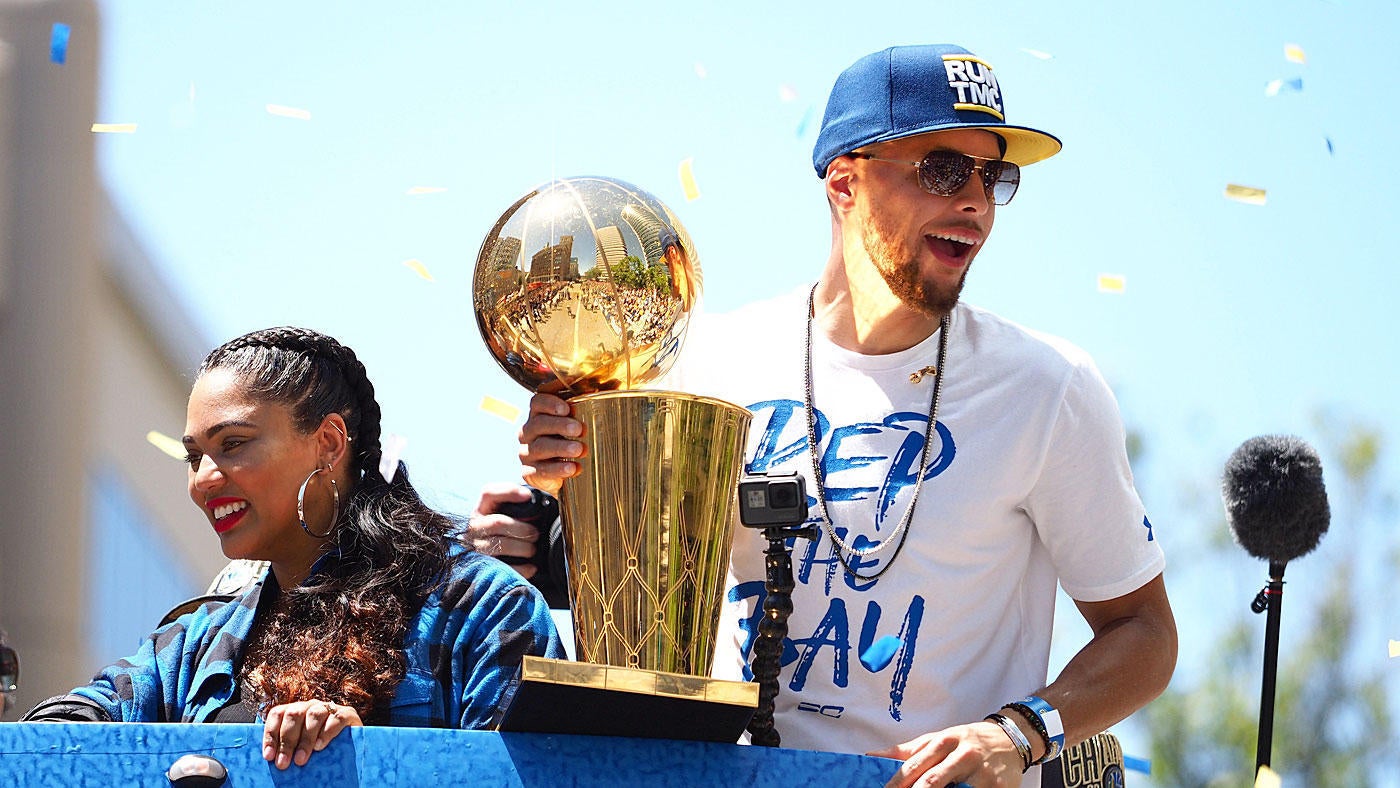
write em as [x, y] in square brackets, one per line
[1127, 663]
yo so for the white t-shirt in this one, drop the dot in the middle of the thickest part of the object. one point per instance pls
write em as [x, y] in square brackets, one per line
[1028, 481]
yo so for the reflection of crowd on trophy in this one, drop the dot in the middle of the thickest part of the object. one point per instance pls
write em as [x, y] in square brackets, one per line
[636, 313]
[540, 300]
[642, 310]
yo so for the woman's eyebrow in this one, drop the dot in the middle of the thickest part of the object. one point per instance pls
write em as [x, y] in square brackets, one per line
[214, 430]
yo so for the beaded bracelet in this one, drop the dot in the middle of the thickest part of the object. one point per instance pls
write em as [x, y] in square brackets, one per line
[1013, 732]
[1036, 711]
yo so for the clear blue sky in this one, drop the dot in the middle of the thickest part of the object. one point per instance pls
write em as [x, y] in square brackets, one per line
[1236, 320]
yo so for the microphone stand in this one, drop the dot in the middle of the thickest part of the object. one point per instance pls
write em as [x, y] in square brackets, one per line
[773, 628]
[1270, 598]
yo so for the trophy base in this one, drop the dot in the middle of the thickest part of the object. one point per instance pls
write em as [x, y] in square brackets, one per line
[559, 696]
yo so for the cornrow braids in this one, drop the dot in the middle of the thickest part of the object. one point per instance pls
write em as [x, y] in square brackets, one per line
[294, 366]
[391, 548]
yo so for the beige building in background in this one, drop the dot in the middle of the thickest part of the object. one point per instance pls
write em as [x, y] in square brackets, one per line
[97, 535]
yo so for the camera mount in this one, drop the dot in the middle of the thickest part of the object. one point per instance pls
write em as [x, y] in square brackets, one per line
[777, 504]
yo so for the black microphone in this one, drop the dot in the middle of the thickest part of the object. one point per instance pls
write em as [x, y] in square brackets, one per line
[1275, 500]
[1276, 505]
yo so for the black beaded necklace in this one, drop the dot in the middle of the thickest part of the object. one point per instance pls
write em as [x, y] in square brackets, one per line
[903, 530]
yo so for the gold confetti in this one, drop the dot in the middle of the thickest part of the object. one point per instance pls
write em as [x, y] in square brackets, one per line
[114, 128]
[167, 444]
[288, 112]
[1036, 53]
[1112, 283]
[427, 190]
[692, 192]
[1394, 649]
[419, 268]
[1294, 53]
[500, 408]
[1267, 778]
[1244, 194]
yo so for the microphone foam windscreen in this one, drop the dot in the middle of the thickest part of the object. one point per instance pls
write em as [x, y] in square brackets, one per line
[1274, 497]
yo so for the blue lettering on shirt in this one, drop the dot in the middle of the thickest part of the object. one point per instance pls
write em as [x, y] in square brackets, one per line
[816, 561]
[834, 631]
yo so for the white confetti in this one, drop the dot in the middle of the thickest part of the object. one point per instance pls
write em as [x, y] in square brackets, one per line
[392, 447]
[288, 112]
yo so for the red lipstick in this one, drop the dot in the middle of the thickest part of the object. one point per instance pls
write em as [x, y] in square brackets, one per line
[230, 518]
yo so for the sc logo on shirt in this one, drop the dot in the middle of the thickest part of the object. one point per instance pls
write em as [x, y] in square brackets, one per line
[834, 712]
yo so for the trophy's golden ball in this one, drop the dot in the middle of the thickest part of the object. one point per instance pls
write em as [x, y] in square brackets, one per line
[584, 285]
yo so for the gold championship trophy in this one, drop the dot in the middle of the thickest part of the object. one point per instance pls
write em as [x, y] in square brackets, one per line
[584, 289]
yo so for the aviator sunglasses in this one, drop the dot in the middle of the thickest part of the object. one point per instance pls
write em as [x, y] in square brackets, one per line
[945, 172]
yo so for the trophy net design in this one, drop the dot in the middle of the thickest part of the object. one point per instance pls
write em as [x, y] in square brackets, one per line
[647, 580]
[584, 288]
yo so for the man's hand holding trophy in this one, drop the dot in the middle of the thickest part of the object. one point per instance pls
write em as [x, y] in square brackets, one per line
[584, 288]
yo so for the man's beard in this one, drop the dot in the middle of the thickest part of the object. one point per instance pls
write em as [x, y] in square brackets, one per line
[899, 267]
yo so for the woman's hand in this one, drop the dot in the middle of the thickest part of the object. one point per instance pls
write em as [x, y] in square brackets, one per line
[295, 730]
[501, 536]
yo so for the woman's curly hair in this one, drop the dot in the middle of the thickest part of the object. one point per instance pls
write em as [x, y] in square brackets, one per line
[339, 636]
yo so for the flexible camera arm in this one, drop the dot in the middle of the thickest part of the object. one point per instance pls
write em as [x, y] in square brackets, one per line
[773, 628]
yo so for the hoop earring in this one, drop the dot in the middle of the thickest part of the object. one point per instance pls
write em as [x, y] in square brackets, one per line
[301, 510]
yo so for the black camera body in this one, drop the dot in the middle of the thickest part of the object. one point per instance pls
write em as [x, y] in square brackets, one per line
[773, 500]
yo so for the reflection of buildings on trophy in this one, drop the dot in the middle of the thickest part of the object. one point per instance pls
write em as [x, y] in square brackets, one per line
[501, 278]
[662, 244]
[648, 229]
[500, 275]
[611, 248]
[554, 263]
[573, 290]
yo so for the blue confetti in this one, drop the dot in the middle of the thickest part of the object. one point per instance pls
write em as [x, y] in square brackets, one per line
[1279, 85]
[1328, 140]
[806, 120]
[58, 43]
[1143, 765]
[880, 653]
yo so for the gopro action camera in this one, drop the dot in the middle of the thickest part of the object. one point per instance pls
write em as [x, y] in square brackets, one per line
[769, 500]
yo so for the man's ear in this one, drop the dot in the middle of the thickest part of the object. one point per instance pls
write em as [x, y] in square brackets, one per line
[840, 182]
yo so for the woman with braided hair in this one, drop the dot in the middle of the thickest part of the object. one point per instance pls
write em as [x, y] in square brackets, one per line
[370, 612]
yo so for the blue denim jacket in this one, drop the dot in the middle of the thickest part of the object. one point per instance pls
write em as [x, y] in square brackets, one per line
[463, 651]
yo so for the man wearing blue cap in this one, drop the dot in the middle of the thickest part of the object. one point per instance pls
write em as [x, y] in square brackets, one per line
[960, 465]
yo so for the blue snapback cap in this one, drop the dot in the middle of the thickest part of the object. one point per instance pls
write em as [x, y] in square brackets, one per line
[903, 91]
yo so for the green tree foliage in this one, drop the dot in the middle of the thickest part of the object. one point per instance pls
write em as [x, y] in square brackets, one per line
[632, 272]
[1333, 718]
[1331, 727]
